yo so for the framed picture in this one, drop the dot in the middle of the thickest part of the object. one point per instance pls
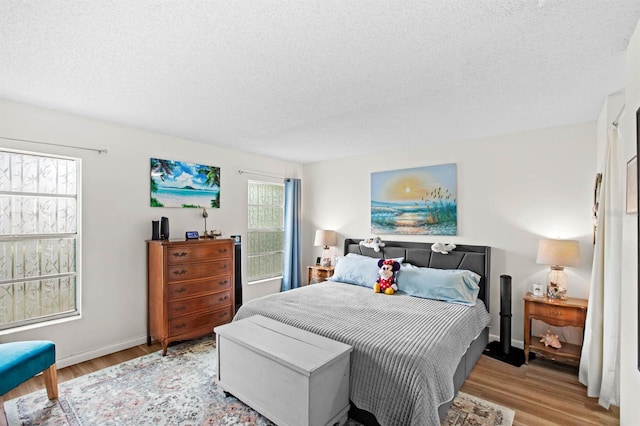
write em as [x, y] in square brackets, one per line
[416, 201]
[184, 185]
[632, 185]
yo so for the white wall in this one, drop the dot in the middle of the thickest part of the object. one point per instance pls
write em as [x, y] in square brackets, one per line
[512, 191]
[630, 377]
[116, 218]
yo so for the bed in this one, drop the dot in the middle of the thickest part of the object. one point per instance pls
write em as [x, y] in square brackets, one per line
[406, 364]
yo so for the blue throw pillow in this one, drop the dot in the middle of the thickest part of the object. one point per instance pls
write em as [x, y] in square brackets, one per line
[449, 285]
[357, 269]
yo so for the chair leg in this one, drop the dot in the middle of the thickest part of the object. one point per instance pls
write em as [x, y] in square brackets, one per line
[51, 381]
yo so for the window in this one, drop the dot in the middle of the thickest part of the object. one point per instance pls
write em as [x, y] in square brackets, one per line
[266, 230]
[39, 238]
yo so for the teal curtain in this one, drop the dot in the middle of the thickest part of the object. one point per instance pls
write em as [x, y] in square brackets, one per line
[292, 273]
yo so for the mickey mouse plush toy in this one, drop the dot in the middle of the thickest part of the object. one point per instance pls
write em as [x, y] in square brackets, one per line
[386, 282]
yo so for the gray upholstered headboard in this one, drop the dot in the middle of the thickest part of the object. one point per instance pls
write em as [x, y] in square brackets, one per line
[472, 258]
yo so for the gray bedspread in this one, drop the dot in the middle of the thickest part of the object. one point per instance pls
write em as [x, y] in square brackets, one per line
[405, 349]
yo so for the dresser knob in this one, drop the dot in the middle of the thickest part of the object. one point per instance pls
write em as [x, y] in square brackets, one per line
[179, 326]
[221, 299]
[223, 314]
[557, 313]
[180, 308]
[180, 290]
[222, 282]
[180, 272]
[182, 254]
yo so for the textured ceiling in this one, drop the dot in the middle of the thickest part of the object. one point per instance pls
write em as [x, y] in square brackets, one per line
[314, 80]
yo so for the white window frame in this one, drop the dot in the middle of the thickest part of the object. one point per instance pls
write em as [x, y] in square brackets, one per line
[75, 311]
[252, 279]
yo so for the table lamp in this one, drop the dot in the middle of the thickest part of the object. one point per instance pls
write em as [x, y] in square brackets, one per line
[558, 254]
[325, 238]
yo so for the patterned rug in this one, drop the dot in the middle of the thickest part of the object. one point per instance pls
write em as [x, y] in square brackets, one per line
[178, 389]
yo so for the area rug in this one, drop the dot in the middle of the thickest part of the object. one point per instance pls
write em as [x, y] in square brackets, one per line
[178, 389]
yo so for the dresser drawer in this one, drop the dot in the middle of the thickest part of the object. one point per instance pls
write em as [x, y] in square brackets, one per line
[190, 288]
[189, 271]
[197, 252]
[557, 315]
[186, 324]
[209, 302]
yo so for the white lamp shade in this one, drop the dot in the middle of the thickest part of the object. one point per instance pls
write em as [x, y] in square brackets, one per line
[325, 238]
[558, 252]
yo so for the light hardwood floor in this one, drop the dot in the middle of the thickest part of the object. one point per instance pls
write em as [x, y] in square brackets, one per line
[541, 393]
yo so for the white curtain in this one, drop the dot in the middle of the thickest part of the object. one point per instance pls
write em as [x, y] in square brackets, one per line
[600, 361]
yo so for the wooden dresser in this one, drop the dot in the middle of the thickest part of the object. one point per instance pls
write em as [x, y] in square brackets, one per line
[190, 288]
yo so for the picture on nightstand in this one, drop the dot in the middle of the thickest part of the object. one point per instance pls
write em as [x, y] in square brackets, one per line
[538, 290]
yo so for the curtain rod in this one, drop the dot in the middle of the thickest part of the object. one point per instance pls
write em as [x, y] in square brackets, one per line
[617, 119]
[99, 151]
[243, 172]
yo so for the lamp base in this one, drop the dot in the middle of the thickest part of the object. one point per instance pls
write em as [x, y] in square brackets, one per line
[556, 292]
[557, 283]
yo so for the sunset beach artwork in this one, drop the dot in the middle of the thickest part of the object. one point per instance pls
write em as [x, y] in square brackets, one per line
[416, 201]
[185, 185]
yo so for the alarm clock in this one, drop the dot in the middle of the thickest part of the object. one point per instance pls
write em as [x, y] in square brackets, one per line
[538, 290]
[191, 235]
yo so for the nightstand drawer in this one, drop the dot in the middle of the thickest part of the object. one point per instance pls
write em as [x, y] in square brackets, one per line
[558, 315]
[316, 274]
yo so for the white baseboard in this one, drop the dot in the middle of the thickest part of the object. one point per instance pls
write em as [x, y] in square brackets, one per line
[515, 343]
[120, 346]
[96, 353]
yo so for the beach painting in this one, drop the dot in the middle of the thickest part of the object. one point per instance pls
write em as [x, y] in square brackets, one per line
[417, 201]
[184, 185]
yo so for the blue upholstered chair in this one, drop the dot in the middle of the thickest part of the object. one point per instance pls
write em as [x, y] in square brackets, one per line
[20, 361]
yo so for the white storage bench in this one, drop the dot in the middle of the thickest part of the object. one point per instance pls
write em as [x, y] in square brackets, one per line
[290, 376]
